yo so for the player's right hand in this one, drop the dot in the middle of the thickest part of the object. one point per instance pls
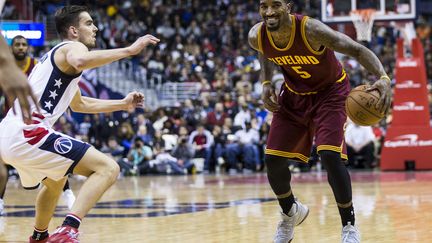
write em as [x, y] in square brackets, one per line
[141, 43]
[269, 97]
[14, 86]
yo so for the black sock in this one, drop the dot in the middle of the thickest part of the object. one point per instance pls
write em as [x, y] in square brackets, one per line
[40, 234]
[66, 186]
[279, 177]
[286, 203]
[72, 220]
[340, 182]
[347, 215]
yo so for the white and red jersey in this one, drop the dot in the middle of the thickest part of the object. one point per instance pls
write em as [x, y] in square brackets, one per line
[36, 150]
[53, 89]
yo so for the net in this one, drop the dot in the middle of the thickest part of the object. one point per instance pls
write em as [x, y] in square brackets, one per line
[363, 20]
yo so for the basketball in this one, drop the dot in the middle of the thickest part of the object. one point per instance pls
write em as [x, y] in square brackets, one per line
[360, 106]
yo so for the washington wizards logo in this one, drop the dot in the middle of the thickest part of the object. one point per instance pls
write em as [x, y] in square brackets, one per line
[63, 145]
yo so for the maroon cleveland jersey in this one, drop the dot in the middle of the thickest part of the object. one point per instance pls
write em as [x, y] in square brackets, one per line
[306, 70]
[30, 64]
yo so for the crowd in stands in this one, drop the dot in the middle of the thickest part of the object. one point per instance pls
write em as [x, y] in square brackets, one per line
[207, 44]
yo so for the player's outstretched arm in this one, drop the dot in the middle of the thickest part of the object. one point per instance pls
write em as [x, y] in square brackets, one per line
[267, 68]
[80, 58]
[14, 82]
[89, 105]
[319, 33]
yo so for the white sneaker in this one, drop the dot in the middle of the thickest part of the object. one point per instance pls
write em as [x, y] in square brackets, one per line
[1, 207]
[350, 234]
[69, 198]
[285, 230]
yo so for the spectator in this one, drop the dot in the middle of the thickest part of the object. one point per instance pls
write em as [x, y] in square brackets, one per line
[201, 140]
[138, 158]
[360, 142]
[217, 117]
[243, 153]
[184, 152]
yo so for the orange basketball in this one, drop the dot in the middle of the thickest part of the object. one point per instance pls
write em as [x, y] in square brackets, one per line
[360, 106]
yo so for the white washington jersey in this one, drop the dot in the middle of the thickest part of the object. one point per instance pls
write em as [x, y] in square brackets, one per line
[36, 150]
[53, 89]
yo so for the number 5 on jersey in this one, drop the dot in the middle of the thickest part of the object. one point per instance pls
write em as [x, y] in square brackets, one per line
[303, 74]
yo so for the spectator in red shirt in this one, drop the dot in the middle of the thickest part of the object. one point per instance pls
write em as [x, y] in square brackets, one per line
[217, 117]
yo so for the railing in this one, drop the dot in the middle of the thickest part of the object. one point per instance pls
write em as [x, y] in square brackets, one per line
[173, 93]
[123, 76]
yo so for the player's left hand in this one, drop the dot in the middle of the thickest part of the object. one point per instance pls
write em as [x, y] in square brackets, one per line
[134, 100]
[384, 88]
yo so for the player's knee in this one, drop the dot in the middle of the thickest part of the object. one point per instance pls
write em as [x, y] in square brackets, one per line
[330, 159]
[275, 163]
[55, 188]
[110, 170]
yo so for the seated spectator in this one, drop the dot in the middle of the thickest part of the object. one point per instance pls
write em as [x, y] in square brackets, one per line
[243, 152]
[144, 135]
[184, 152]
[138, 158]
[113, 149]
[201, 140]
[360, 142]
[217, 117]
[218, 147]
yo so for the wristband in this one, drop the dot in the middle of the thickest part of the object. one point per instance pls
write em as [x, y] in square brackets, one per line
[266, 82]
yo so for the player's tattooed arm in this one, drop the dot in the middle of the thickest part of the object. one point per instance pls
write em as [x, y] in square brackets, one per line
[267, 69]
[318, 34]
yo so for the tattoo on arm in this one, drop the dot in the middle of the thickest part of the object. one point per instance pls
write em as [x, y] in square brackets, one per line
[267, 68]
[319, 32]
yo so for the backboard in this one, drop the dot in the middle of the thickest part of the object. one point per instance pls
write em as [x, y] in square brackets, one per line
[335, 11]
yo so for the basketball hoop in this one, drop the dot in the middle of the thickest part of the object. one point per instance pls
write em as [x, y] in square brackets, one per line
[363, 20]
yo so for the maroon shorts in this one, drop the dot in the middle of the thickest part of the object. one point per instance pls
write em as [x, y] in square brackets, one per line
[303, 118]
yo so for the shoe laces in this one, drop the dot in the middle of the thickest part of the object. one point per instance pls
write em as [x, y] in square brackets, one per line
[73, 235]
[349, 234]
[284, 227]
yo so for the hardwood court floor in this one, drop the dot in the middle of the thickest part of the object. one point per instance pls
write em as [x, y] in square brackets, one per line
[390, 207]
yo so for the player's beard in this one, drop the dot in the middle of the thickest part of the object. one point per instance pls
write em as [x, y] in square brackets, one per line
[19, 56]
[90, 44]
[274, 27]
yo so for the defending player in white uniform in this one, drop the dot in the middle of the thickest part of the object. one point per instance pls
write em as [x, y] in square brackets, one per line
[42, 155]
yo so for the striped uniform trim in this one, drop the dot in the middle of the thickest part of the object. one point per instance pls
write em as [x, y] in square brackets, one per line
[342, 78]
[344, 205]
[292, 37]
[306, 42]
[39, 230]
[27, 65]
[285, 195]
[329, 147]
[285, 154]
[333, 148]
[298, 93]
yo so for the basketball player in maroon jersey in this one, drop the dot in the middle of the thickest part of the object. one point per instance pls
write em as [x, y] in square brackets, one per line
[310, 104]
[20, 48]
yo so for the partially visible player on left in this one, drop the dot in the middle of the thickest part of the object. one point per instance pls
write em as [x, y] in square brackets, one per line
[42, 155]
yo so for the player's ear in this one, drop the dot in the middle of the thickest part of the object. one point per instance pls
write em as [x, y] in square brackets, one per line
[74, 30]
